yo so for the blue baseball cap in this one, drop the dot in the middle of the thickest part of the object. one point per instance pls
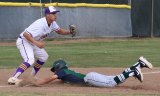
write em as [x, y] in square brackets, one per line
[51, 10]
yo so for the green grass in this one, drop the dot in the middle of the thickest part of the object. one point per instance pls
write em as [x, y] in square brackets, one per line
[112, 53]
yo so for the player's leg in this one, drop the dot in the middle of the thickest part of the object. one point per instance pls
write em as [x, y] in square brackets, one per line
[125, 75]
[42, 57]
[142, 62]
[99, 80]
[26, 52]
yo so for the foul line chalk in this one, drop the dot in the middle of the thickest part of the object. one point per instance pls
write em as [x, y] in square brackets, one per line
[7, 86]
[154, 72]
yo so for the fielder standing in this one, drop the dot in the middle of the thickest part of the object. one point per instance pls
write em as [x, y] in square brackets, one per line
[30, 42]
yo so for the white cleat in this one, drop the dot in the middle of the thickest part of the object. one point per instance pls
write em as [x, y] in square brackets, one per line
[138, 74]
[145, 62]
[13, 81]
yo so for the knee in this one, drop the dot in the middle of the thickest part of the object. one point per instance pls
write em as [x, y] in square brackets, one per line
[43, 58]
[88, 77]
[90, 74]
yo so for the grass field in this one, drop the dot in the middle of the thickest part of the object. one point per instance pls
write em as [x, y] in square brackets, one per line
[107, 53]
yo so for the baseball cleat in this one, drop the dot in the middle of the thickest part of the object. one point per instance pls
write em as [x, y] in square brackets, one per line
[13, 81]
[138, 74]
[145, 63]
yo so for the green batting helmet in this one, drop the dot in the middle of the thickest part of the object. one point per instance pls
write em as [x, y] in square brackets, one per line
[58, 65]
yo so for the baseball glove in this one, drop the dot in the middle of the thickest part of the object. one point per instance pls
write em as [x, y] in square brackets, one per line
[72, 29]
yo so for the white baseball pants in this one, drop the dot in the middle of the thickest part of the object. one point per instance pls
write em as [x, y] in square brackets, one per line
[99, 80]
[29, 51]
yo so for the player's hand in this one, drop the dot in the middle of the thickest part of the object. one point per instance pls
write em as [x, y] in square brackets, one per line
[40, 44]
[72, 29]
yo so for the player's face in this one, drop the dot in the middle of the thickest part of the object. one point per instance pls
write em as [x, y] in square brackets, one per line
[53, 17]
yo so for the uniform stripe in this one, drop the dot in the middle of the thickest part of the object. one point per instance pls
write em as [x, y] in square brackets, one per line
[136, 64]
[40, 62]
[119, 77]
[25, 51]
[128, 70]
[37, 65]
[122, 76]
[23, 66]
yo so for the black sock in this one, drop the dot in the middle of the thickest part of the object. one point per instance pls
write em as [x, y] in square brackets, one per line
[122, 77]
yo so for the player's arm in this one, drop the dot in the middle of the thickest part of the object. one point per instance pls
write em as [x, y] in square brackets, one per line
[63, 31]
[47, 80]
[30, 39]
[72, 31]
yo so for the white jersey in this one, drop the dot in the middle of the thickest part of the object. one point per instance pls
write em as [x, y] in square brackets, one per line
[39, 29]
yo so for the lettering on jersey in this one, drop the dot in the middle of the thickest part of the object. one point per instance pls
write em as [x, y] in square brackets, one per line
[44, 36]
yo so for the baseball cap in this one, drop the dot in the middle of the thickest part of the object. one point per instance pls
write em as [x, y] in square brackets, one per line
[51, 10]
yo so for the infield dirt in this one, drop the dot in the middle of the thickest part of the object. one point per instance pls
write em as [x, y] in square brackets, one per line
[150, 85]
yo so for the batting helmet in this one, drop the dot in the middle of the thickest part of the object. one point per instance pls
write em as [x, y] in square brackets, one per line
[58, 65]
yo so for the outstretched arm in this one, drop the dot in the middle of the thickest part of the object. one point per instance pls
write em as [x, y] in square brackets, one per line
[72, 31]
[46, 80]
[63, 31]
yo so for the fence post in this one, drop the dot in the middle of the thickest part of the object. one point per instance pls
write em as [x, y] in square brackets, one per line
[152, 21]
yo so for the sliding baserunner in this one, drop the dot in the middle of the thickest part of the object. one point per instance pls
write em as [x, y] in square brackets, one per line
[61, 71]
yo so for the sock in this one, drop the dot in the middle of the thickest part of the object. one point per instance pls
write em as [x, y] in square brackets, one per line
[37, 67]
[126, 70]
[21, 69]
[122, 77]
[132, 67]
[135, 65]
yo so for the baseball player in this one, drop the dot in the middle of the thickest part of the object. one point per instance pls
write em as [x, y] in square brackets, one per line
[30, 42]
[62, 72]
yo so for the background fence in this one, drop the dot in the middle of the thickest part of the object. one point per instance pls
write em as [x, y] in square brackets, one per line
[73, 1]
[145, 18]
[92, 20]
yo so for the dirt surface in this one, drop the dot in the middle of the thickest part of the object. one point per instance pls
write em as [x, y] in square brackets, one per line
[150, 85]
